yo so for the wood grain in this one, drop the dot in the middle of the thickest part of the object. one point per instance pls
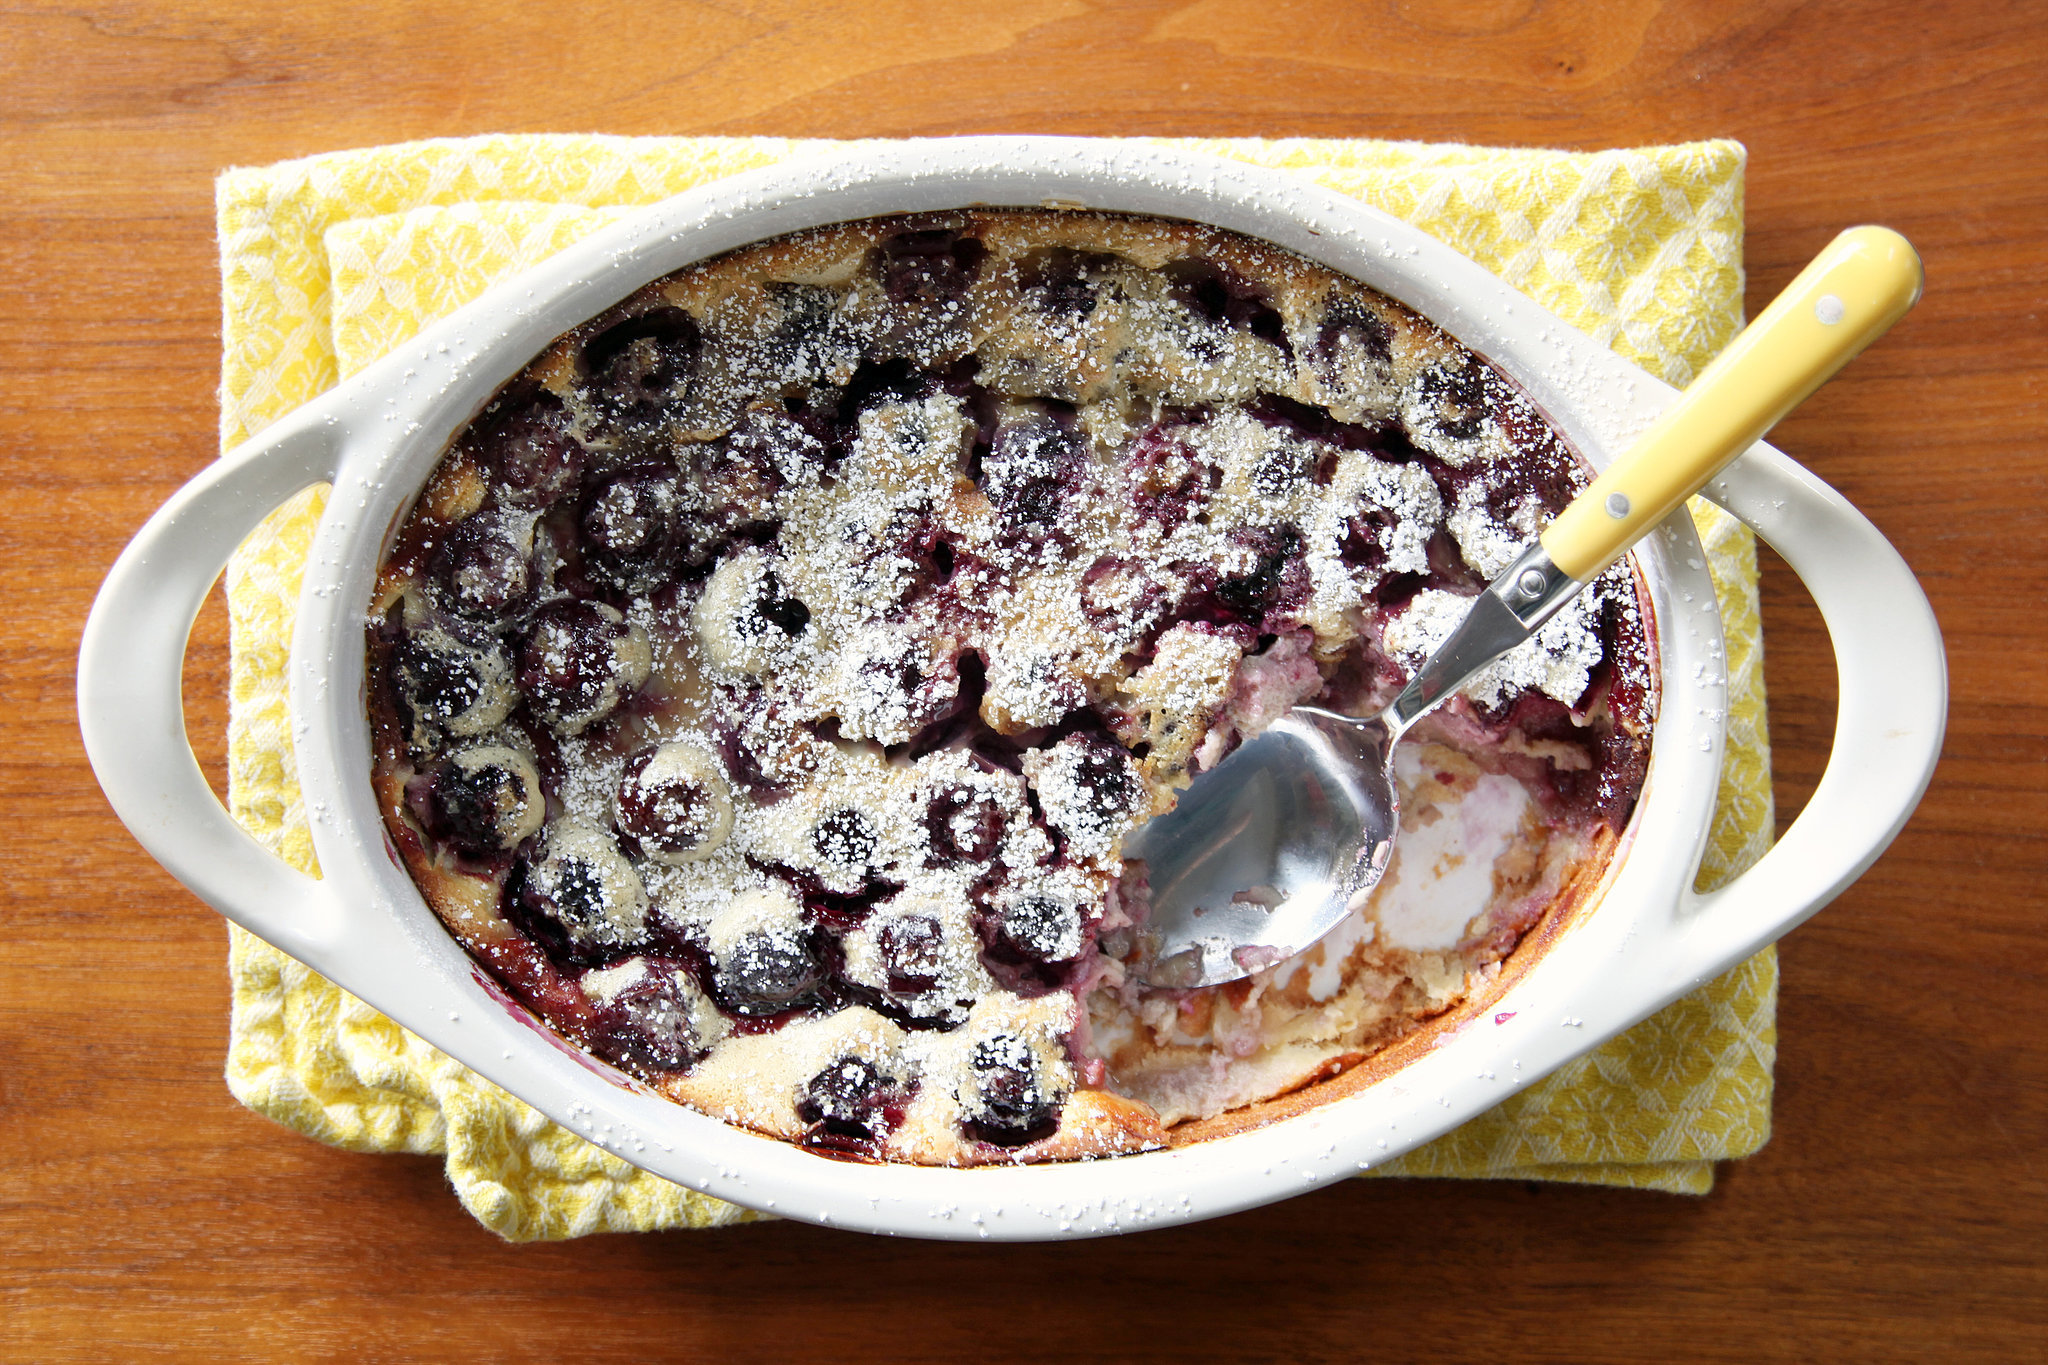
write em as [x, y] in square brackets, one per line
[1898, 1214]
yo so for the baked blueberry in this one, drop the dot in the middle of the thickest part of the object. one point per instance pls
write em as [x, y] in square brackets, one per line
[911, 948]
[481, 800]
[1448, 412]
[765, 451]
[1351, 338]
[1007, 1100]
[965, 825]
[578, 886]
[849, 1098]
[1065, 282]
[932, 266]
[530, 448]
[1282, 467]
[1041, 927]
[1034, 936]
[764, 958]
[745, 621]
[776, 609]
[579, 660]
[450, 687]
[736, 479]
[812, 340]
[1225, 298]
[636, 363]
[846, 838]
[1090, 790]
[631, 523]
[1034, 465]
[768, 972]
[674, 802]
[1249, 594]
[484, 567]
[652, 1018]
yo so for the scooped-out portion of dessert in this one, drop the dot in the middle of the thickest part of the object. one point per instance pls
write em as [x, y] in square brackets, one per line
[764, 684]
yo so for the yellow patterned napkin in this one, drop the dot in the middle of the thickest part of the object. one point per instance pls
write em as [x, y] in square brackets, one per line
[328, 262]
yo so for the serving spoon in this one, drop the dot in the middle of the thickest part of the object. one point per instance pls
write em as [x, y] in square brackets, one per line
[1270, 850]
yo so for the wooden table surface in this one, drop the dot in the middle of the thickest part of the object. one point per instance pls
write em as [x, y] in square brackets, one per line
[1898, 1212]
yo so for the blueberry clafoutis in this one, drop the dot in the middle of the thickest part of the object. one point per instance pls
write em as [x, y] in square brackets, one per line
[764, 683]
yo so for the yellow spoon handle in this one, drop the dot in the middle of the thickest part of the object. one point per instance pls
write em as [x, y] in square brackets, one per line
[1862, 283]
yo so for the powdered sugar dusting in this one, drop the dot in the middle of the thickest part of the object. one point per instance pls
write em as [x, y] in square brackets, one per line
[864, 590]
[1557, 661]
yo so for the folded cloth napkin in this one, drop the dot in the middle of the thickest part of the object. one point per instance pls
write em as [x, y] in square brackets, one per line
[328, 262]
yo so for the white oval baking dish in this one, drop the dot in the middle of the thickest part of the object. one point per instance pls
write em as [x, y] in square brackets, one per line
[1646, 939]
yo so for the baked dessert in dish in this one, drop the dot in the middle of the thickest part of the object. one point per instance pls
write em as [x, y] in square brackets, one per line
[764, 683]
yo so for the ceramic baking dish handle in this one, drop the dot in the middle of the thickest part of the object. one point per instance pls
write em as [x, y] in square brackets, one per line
[130, 686]
[1892, 688]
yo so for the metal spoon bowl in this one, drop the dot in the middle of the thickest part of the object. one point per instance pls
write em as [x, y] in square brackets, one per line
[1270, 849]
